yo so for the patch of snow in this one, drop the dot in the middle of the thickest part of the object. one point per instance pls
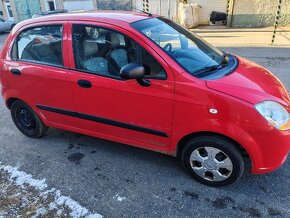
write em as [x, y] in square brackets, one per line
[119, 198]
[59, 212]
[22, 178]
[39, 212]
[52, 206]
[76, 210]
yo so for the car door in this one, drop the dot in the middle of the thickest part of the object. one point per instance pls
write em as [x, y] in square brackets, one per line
[114, 108]
[7, 25]
[37, 71]
[2, 25]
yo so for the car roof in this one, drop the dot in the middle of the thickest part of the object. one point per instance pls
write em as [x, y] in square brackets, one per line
[123, 16]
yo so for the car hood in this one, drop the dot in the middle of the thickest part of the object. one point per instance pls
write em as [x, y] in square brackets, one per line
[252, 83]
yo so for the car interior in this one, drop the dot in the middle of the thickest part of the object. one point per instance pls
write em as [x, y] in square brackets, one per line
[42, 44]
[105, 52]
[96, 50]
[43, 52]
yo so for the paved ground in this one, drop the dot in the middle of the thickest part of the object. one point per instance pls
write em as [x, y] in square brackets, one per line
[121, 181]
[260, 37]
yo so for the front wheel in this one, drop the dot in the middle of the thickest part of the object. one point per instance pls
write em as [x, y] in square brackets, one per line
[26, 120]
[213, 160]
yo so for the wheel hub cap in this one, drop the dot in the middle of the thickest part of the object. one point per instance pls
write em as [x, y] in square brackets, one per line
[211, 164]
[25, 119]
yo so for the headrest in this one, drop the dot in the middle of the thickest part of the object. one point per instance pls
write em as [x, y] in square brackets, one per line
[80, 32]
[113, 39]
[41, 49]
[90, 48]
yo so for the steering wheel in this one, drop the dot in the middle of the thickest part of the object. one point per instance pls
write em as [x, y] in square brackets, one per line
[168, 47]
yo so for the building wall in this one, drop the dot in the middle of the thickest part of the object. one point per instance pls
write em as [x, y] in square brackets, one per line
[258, 13]
[58, 4]
[13, 7]
[72, 5]
[207, 6]
[3, 10]
[161, 7]
[25, 9]
[125, 5]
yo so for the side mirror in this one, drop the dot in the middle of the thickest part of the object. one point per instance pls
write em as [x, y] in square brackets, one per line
[132, 71]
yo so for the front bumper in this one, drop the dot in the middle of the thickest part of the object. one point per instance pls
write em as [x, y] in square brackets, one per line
[274, 147]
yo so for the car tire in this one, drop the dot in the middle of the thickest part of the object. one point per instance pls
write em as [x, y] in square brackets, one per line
[26, 120]
[213, 160]
[12, 26]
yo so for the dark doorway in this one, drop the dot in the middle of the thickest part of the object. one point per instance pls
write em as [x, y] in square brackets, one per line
[51, 6]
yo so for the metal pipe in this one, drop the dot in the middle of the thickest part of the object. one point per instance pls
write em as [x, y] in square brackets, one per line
[146, 5]
[169, 9]
[278, 15]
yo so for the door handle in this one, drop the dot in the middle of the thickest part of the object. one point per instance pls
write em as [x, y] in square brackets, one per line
[84, 83]
[16, 72]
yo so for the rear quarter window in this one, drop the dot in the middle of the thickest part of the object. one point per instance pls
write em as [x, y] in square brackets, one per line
[39, 44]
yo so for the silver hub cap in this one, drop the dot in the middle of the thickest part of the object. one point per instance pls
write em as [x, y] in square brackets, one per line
[211, 164]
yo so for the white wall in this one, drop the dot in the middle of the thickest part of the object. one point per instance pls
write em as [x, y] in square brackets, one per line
[160, 7]
[78, 5]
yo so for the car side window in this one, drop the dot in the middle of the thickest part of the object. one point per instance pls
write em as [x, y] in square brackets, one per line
[40, 44]
[104, 52]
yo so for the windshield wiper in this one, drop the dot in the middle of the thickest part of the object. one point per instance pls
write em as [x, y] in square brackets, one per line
[206, 69]
[213, 67]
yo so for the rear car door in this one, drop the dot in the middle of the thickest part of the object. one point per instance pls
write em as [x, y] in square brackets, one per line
[37, 71]
[116, 108]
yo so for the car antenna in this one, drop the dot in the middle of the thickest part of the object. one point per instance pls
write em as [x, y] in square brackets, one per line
[143, 11]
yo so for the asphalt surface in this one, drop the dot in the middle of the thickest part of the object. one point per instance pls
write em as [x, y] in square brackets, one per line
[97, 173]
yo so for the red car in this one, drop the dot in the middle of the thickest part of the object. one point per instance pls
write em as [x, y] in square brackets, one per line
[143, 80]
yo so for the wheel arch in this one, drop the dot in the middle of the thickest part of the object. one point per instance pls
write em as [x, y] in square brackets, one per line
[182, 142]
[9, 101]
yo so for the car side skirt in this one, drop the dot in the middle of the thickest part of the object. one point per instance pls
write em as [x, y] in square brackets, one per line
[102, 120]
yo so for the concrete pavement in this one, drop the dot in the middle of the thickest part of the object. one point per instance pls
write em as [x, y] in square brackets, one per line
[258, 37]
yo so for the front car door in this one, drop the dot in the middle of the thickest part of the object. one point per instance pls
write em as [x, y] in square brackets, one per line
[113, 108]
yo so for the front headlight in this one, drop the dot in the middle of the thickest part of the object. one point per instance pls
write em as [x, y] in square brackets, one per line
[275, 113]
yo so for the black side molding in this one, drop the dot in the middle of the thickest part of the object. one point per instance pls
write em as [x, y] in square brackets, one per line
[101, 120]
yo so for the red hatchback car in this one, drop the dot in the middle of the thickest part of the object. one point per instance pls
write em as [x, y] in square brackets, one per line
[145, 81]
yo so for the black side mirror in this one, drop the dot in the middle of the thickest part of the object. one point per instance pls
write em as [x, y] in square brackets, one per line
[134, 71]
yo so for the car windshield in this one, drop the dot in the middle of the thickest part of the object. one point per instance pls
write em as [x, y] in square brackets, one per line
[189, 50]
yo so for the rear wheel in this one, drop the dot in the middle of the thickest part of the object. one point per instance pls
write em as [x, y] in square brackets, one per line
[26, 120]
[12, 26]
[213, 160]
